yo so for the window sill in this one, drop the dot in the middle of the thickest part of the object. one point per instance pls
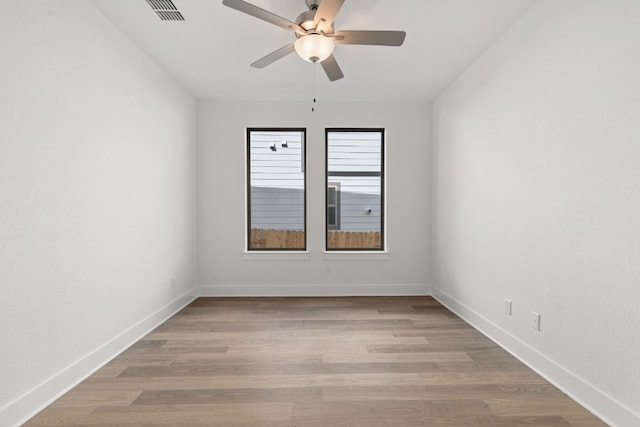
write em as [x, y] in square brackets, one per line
[276, 255]
[355, 255]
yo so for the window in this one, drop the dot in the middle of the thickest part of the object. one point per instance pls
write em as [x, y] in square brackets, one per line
[355, 189]
[276, 194]
[333, 206]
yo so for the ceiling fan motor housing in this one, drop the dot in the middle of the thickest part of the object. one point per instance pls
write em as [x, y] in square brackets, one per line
[306, 21]
[312, 4]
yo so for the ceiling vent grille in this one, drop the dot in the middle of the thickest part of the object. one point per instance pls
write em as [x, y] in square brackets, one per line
[166, 10]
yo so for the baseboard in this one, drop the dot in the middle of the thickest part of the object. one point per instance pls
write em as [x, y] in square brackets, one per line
[322, 290]
[596, 401]
[33, 401]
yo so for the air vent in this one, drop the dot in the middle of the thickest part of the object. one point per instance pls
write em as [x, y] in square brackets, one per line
[166, 10]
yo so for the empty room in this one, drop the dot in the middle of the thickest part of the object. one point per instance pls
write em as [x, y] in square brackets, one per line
[290, 213]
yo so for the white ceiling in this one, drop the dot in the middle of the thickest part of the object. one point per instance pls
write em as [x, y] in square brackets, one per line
[210, 52]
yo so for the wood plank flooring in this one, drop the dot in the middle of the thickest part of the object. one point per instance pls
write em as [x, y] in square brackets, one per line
[307, 362]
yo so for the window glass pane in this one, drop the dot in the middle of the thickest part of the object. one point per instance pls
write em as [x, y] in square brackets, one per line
[355, 163]
[331, 220]
[276, 193]
[331, 196]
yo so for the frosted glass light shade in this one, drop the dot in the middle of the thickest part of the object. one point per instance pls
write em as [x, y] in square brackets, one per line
[314, 47]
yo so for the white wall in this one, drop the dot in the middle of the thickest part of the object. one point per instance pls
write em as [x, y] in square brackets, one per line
[537, 196]
[223, 266]
[97, 197]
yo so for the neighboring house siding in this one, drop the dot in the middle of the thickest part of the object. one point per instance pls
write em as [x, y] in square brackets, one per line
[277, 180]
[354, 153]
[358, 195]
[289, 215]
[277, 208]
[282, 168]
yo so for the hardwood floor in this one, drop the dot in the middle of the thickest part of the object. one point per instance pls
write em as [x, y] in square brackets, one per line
[306, 362]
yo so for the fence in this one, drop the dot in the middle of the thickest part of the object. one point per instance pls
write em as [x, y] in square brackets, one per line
[294, 239]
[276, 239]
[354, 240]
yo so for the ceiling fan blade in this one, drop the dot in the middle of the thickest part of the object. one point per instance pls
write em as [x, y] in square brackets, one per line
[274, 56]
[378, 38]
[265, 15]
[326, 13]
[332, 68]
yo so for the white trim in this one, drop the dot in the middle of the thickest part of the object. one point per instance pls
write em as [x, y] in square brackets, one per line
[319, 290]
[276, 255]
[596, 401]
[39, 397]
[355, 256]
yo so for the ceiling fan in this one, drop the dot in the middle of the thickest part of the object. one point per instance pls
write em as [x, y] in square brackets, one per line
[315, 36]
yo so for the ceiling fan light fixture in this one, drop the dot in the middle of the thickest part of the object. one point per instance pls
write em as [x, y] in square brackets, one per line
[314, 47]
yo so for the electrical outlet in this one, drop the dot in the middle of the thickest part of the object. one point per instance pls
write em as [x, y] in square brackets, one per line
[507, 307]
[535, 320]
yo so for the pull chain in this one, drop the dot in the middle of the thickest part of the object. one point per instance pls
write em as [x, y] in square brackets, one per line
[313, 87]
